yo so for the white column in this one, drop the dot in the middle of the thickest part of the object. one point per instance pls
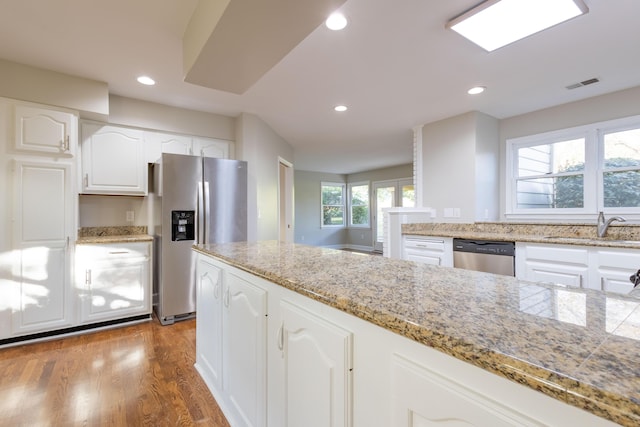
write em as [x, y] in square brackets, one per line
[417, 165]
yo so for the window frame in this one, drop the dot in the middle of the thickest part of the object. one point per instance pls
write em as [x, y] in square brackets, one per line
[350, 204]
[593, 135]
[343, 205]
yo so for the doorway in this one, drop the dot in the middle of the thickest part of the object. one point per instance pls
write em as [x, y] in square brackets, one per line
[285, 200]
[389, 194]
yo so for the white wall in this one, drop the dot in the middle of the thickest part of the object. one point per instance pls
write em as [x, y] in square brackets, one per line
[611, 106]
[261, 147]
[110, 211]
[150, 115]
[487, 182]
[448, 162]
[27, 83]
[460, 167]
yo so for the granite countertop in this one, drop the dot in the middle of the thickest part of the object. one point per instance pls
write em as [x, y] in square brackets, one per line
[118, 234]
[618, 236]
[580, 346]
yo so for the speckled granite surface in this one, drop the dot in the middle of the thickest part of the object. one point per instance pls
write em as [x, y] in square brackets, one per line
[122, 234]
[618, 236]
[577, 345]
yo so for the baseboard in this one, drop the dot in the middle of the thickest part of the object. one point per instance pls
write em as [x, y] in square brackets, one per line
[359, 248]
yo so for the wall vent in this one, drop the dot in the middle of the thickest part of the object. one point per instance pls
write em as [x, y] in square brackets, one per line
[583, 83]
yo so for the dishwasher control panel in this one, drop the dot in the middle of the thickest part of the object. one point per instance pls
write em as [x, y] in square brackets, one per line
[484, 247]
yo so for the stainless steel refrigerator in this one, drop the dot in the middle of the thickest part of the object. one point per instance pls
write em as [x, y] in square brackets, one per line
[197, 200]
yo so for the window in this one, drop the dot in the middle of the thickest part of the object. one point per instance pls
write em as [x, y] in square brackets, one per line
[551, 175]
[621, 171]
[577, 172]
[359, 205]
[332, 204]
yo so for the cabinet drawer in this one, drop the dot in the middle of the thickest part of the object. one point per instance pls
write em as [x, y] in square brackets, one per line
[430, 244]
[114, 250]
[625, 259]
[550, 253]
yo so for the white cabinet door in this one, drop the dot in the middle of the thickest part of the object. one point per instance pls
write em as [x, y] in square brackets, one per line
[211, 148]
[317, 359]
[245, 357]
[114, 281]
[554, 264]
[43, 226]
[423, 398]
[158, 143]
[614, 268]
[113, 160]
[44, 130]
[209, 323]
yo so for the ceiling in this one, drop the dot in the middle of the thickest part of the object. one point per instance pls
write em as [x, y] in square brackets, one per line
[395, 66]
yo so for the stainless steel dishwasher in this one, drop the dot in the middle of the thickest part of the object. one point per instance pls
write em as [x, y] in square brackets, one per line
[484, 255]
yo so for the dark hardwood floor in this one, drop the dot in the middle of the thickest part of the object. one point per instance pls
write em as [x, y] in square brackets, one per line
[140, 375]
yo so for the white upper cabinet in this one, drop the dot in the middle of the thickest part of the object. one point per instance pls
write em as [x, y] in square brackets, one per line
[158, 143]
[42, 130]
[113, 160]
[206, 147]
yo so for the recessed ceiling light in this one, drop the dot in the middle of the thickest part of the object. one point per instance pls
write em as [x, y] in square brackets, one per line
[340, 108]
[496, 23]
[336, 21]
[476, 90]
[146, 80]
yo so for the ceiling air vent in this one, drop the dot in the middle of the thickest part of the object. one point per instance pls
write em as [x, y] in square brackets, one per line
[583, 83]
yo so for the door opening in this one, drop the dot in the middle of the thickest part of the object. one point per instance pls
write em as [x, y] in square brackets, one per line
[285, 201]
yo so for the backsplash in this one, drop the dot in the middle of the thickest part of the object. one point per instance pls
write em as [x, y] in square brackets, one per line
[112, 231]
[587, 231]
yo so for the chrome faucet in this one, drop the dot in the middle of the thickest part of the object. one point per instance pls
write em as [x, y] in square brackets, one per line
[604, 225]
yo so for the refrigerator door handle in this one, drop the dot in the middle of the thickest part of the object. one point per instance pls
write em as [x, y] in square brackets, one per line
[206, 234]
[200, 214]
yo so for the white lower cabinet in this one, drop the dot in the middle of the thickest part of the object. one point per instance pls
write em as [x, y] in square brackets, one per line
[614, 267]
[322, 367]
[423, 397]
[231, 342]
[315, 369]
[113, 280]
[606, 269]
[209, 323]
[553, 263]
[428, 250]
[244, 358]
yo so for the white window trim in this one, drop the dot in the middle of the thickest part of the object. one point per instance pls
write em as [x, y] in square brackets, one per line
[594, 154]
[357, 184]
[344, 204]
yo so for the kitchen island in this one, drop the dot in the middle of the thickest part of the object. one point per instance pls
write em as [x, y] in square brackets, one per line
[577, 348]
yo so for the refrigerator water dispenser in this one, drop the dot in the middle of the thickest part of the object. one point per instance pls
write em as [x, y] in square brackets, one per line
[182, 225]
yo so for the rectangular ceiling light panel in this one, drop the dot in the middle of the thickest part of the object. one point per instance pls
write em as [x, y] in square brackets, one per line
[497, 23]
